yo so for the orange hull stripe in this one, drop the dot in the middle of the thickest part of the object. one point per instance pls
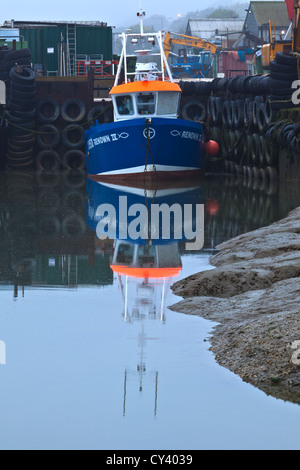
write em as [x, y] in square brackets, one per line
[147, 273]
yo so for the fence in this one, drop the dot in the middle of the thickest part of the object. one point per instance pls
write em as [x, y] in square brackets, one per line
[106, 68]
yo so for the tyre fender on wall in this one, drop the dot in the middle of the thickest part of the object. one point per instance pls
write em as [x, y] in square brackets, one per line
[73, 136]
[99, 113]
[73, 110]
[194, 109]
[47, 160]
[74, 160]
[48, 110]
[48, 136]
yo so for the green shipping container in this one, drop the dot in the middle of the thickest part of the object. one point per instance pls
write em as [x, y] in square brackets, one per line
[45, 41]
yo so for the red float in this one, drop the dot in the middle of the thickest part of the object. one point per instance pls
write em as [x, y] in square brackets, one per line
[212, 206]
[212, 147]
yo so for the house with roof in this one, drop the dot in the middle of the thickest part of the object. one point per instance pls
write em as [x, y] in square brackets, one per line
[257, 22]
[220, 31]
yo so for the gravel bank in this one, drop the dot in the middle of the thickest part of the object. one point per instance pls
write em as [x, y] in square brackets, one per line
[254, 295]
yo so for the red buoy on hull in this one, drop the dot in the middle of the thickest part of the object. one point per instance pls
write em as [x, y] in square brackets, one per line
[212, 148]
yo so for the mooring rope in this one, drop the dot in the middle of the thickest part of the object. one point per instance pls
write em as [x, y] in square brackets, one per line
[76, 126]
[149, 240]
[148, 152]
[231, 150]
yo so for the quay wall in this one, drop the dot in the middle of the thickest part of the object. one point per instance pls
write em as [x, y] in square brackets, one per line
[254, 120]
[44, 119]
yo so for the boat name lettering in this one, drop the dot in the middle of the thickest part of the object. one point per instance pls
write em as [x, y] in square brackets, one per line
[190, 135]
[101, 140]
[91, 143]
[186, 135]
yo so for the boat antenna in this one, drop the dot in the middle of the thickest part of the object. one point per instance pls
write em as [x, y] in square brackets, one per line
[141, 14]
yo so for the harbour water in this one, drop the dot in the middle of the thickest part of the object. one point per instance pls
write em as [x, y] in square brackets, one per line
[90, 355]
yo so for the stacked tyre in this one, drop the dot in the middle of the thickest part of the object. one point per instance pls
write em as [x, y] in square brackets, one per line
[48, 135]
[100, 113]
[73, 112]
[194, 110]
[197, 88]
[283, 72]
[13, 58]
[60, 137]
[284, 136]
[20, 117]
[294, 138]
[61, 206]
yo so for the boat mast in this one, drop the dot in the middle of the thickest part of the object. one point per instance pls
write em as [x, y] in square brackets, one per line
[141, 14]
[123, 59]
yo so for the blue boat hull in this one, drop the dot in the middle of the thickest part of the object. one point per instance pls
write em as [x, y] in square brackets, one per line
[135, 149]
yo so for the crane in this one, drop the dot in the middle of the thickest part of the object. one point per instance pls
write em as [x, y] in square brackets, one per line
[186, 41]
[194, 68]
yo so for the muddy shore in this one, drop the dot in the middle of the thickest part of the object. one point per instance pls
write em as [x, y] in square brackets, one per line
[254, 296]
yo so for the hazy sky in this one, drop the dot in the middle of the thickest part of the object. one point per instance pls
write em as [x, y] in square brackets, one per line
[114, 12]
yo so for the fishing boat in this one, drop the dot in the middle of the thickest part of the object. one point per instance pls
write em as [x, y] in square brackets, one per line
[146, 140]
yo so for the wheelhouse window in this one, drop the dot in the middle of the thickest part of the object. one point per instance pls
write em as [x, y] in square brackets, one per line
[146, 256]
[125, 254]
[125, 105]
[168, 102]
[145, 103]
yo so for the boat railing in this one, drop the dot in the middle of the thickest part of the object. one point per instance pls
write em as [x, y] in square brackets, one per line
[165, 71]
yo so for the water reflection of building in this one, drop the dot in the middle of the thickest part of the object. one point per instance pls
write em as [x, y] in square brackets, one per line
[234, 206]
[44, 240]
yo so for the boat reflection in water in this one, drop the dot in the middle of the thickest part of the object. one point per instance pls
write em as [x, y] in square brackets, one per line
[148, 227]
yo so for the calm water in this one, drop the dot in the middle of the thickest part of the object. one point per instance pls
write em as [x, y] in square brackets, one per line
[90, 355]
